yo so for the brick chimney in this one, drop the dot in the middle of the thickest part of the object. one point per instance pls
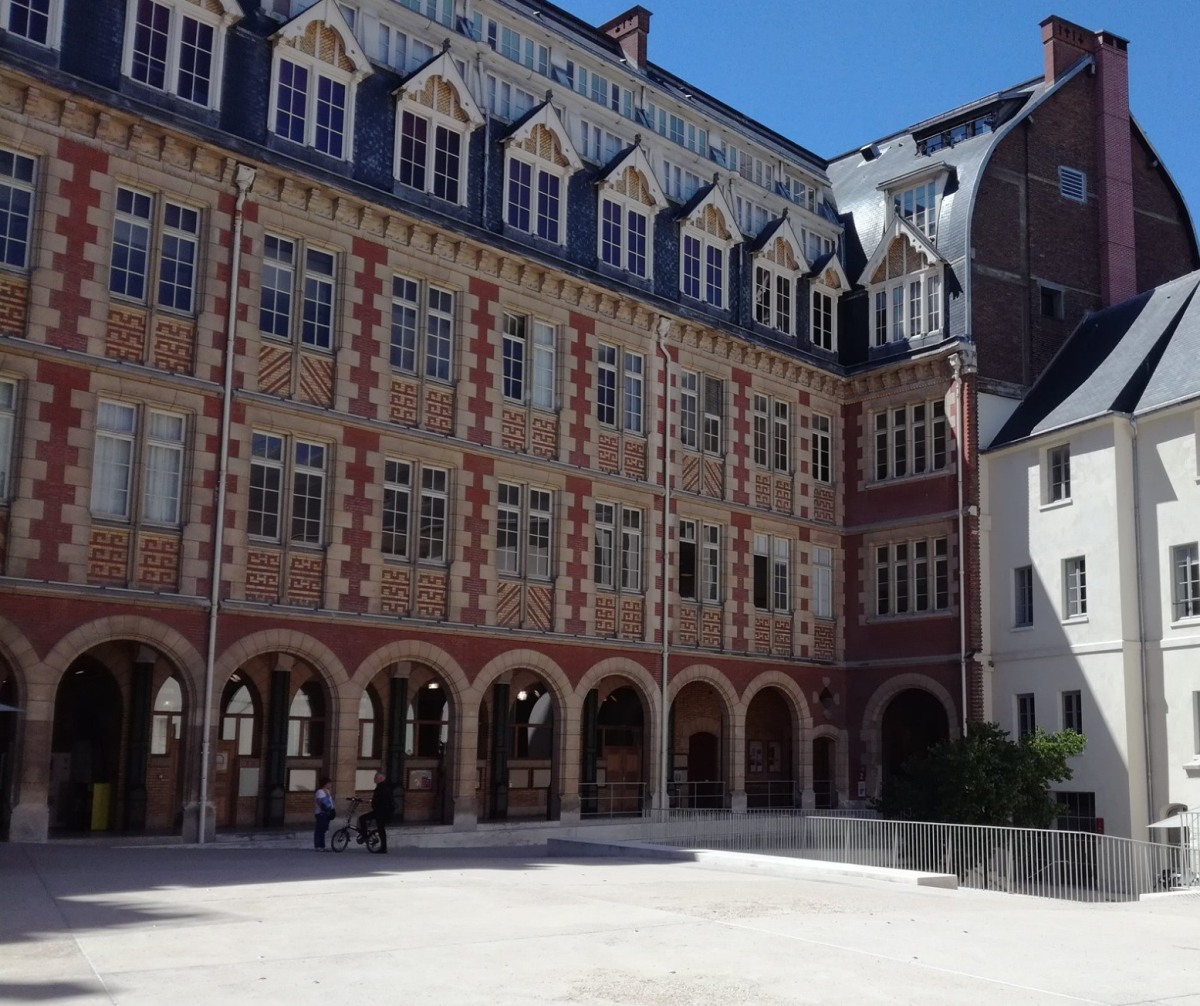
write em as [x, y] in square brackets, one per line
[1064, 44]
[631, 30]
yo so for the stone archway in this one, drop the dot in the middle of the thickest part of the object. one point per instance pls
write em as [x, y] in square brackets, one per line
[701, 731]
[913, 721]
[872, 724]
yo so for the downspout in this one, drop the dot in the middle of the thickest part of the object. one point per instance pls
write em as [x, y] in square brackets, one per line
[487, 132]
[1151, 814]
[244, 179]
[956, 365]
[661, 329]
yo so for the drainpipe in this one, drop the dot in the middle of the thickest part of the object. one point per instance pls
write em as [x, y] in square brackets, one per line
[244, 179]
[661, 329]
[1141, 616]
[956, 365]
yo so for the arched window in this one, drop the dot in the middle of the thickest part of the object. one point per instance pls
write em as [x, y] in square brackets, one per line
[533, 722]
[237, 724]
[428, 728]
[168, 717]
[306, 723]
[368, 719]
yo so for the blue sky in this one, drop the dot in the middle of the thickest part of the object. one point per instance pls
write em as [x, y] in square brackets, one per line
[833, 75]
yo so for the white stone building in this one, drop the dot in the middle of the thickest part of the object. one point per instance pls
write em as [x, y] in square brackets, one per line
[1091, 518]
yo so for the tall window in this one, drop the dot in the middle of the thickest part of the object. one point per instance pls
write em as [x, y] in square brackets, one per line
[912, 576]
[128, 274]
[699, 574]
[1075, 587]
[1026, 716]
[35, 20]
[520, 383]
[618, 561]
[910, 440]
[306, 723]
[1023, 596]
[624, 397]
[8, 422]
[822, 561]
[431, 529]
[112, 471]
[1058, 475]
[772, 434]
[1072, 711]
[117, 448]
[167, 717]
[178, 251]
[821, 448]
[397, 508]
[908, 308]
[773, 298]
[701, 412]
[269, 461]
[313, 283]
[523, 523]
[703, 268]
[16, 208]
[164, 467]
[689, 409]
[919, 206]
[1185, 561]
[772, 573]
[312, 105]
[430, 157]
[823, 320]
[175, 47]
[535, 202]
[177, 259]
[624, 236]
[418, 309]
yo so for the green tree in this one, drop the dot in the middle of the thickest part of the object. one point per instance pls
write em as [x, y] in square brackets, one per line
[983, 778]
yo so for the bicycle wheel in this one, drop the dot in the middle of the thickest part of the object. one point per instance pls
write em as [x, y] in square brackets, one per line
[373, 843]
[340, 839]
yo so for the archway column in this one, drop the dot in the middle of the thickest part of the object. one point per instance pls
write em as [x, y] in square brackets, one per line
[464, 734]
[735, 759]
[570, 748]
[30, 821]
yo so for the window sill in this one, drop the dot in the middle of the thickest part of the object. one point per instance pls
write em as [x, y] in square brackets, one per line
[1021, 628]
[936, 473]
[1056, 504]
[1192, 769]
[1075, 620]
[1186, 622]
[910, 616]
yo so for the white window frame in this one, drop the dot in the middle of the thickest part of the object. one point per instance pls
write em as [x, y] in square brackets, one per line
[772, 430]
[822, 566]
[8, 430]
[13, 181]
[772, 314]
[821, 338]
[821, 461]
[1071, 704]
[113, 433]
[53, 27]
[433, 549]
[396, 543]
[537, 168]
[910, 440]
[1185, 581]
[775, 553]
[304, 467]
[1023, 613]
[315, 69]
[301, 273]
[892, 314]
[625, 368]
[165, 445]
[633, 536]
[618, 559]
[1026, 714]
[903, 569]
[710, 573]
[627, 207]
[434, 121]
[530, 511]
[291, 468]
[1075, 599]
[604, 554]
[178, 11]
[905, 203]
[1057, 466]
[425, 314]
[705, 242]
[689, 409]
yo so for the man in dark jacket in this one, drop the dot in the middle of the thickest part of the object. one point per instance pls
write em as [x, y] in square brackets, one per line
[383, 806]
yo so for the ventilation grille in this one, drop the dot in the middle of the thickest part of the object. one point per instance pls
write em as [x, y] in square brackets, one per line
[1072, 184]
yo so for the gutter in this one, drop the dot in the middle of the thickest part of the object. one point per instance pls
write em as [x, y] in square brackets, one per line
[244, 179]
[1141, 622]
[661, 329]
[957, 365]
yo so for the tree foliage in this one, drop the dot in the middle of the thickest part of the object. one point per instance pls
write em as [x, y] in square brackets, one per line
[984, 778]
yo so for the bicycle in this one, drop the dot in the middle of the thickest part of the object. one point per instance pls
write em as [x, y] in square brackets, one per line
[367, 836]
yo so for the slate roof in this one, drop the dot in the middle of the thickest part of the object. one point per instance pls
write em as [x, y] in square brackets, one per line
[1134, 357]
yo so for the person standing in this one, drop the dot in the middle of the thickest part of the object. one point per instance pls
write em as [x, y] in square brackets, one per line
[383, 806]
[323, 813]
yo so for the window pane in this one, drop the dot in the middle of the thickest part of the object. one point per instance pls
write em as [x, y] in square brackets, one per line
[543, 365]
[414, 150]
[331, 116]
[633, 392]
[447, 161]
[291, 101]
[131, 244]
[317, 327]
[438, 328]
[195, 61]
[30, 19]
[150, 37]
[16, 208]
[513, 358]
[404, 324]
[548, 207]
[177, 261]
[275, 298]
[519, 193]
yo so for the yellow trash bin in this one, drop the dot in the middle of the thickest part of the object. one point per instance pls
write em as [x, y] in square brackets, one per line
[101, 805]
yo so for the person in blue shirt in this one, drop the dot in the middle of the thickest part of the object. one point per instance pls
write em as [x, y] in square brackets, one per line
[323, 813]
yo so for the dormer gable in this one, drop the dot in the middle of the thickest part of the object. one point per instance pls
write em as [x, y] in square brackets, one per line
[708, 210]
[829, 273]
[630, 174]
[541, 134]
[902, 250]
[321, 32]
[779, 245]
[439, 87]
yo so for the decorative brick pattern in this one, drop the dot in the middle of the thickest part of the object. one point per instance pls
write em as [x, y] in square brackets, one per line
[14, 305]
[762, 490]
[712, 628]
[394, 590]
[158, 560]
[714, 478]
[762, 634]
[402, 402]
[690, 479]
[635, 459]
[823, 503]
[508, 603]
[783, 494]
[439, 410]
[606, 615]
[822, 644]
[540, 605]
[512, 430]
[781, 639]
[316, 380]
[274, 370]
[431, 593]
[632, 618]
[174, 344]
[108, 555]
[608, 453]
[262, 575]
[306, 573]
[545, 436]
[687, 634]
[126, 338]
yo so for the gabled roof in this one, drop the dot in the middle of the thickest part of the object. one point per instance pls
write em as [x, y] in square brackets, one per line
[231, 10]
[442, 65]
[544, 115]
[704, 197]
[899, 227]
[330, 14]
[1134, 357]
[780, 227]
[632, 157]
[822, 266]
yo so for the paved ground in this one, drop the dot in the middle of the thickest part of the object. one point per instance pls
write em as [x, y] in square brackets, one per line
[192, 927]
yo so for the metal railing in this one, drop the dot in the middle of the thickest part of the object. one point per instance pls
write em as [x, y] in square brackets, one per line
[772, 794]
[1071, 865]
[613, 799]
[697, 795]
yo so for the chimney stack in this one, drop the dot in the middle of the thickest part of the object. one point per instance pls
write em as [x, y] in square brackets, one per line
[1065, 44]
[631, 30]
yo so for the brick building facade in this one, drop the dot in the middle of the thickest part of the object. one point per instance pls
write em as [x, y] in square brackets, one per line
[484, 337]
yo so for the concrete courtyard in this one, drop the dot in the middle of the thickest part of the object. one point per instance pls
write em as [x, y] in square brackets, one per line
[190, 927]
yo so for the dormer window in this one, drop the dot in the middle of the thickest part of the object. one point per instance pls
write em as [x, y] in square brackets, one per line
[826, 289]
[177, 46]
[904, 283]
[706, 238]
[919, 206]
[777, 266]
[435, 114]
[629, 198]
[34, 20]
[315, 74]
[540, 158]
